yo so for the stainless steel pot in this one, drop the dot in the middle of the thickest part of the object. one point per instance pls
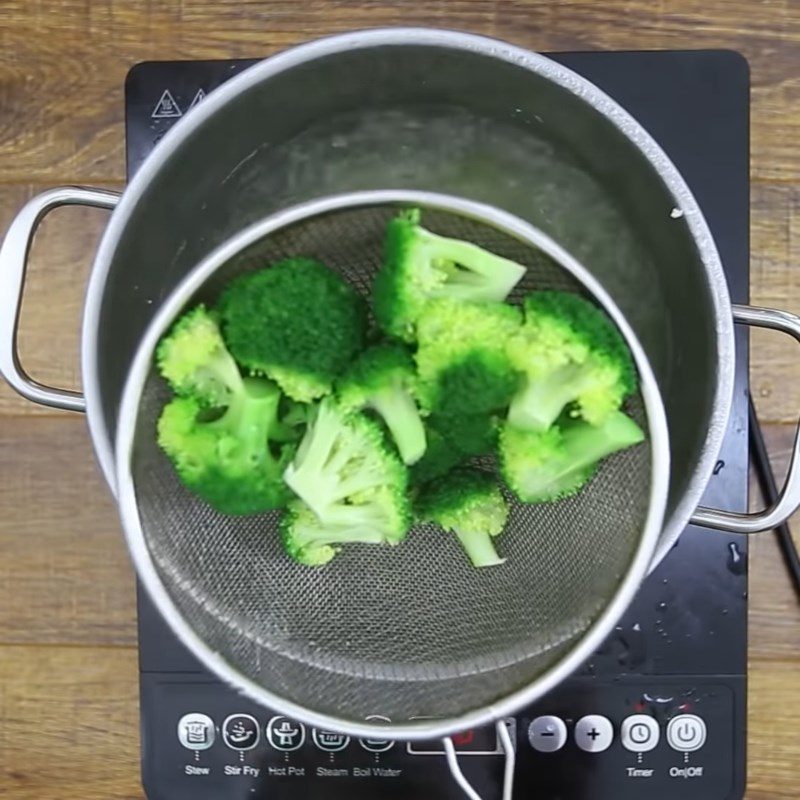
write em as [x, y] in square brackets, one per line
[424, 110]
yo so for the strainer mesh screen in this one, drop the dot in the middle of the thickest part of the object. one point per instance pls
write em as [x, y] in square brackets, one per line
[405, 631]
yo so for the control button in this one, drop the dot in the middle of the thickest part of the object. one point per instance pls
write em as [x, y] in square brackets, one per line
[329, 741]
[240, 732]
[377, 745]
[686, 733]
[640, 733]
[547, 734]
[285, 734]
[594, 734]
[196, 731]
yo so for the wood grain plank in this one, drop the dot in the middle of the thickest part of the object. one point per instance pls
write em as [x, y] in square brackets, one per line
[65, 575]
[69, 723]
[63, 121]
[774, 607]
[773, 744]
[775, 282]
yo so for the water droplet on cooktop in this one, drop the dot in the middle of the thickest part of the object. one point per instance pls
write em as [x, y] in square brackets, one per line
[736, 562]
[665, 581]
[662, 606]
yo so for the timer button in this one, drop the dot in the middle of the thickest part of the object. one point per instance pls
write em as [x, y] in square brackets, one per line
[640, 733]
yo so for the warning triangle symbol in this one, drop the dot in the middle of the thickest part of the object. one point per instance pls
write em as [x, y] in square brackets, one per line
[197, 98]
[166, 107]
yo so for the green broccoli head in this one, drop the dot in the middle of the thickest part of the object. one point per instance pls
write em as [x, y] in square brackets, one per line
[349, 476]
[297, 322]
[570, 352]
[194, 360]
[540, 466]
[310, 542]
[451, 440]
[439, 458]
[462, 363]
[383, 379]
[469, 503]
[231, 461]
[420, 266]
[472, 434]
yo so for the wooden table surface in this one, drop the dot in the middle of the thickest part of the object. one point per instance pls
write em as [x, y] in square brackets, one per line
[68, 676]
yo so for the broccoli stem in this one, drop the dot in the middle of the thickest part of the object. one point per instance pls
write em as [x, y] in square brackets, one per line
[585, 445]
[342, 535]
[220, 370]
[400, 413]
[479, 547]
[315, 475]
[249, 419]
[484, 275]
[537, 406]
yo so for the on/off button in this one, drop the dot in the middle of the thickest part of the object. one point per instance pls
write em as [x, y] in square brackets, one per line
[686, 733]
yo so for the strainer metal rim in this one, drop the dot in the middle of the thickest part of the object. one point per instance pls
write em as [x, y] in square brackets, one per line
[143, 561]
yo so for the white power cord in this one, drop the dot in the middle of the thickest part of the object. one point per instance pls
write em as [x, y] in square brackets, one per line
[511, 759]
[508, 772]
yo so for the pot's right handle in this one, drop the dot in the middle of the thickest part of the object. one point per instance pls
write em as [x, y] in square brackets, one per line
[13, 264]
[789, 498]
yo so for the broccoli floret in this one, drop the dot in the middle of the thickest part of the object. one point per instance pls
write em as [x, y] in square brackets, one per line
[297, 322]
[383, 378]
[439, 458]
[313, 543]
[472, 434]
[195, 361]
[556, 463]
[570, 352]
[293, 418]
[349, 475]
[451, 440]
[228, 460]
[469, 503]
[420, 265]
[462, 363]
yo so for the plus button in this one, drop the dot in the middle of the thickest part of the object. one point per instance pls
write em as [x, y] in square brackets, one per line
[593, 734]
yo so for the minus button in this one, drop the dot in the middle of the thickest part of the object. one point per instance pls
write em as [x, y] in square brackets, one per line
[547, 734]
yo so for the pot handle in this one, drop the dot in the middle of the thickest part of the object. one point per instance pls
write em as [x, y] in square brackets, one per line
[13, 264]
[789, 498]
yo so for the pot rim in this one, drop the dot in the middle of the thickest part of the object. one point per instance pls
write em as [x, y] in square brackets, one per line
[522, 58]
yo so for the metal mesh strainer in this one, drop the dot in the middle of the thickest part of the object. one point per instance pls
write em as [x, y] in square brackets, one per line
[407, 632]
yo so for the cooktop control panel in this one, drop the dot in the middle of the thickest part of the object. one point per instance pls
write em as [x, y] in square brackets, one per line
[664, 739]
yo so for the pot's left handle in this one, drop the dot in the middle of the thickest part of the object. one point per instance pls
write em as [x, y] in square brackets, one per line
[13, 264]
[789, 497]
